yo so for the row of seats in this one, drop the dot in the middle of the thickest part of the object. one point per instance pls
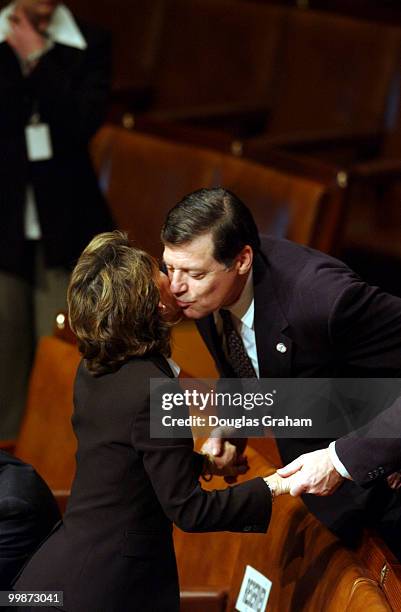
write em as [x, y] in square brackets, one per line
[322, 91]
[373, 10]
[143, 177]
[250, 66]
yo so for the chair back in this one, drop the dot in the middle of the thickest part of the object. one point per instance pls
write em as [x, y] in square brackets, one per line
[143, 177]
[336, 72]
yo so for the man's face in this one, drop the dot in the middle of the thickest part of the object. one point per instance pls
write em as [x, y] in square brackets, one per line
[38, 9]
[199, 283]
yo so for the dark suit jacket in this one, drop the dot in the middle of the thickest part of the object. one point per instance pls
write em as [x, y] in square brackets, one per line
[69, 88]
[375, 450]
[333, 325]
[28, 511]
[114, 551]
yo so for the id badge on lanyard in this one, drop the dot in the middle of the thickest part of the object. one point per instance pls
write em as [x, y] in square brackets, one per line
[38, 140]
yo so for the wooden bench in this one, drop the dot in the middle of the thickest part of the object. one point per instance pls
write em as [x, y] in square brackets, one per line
[309, 568]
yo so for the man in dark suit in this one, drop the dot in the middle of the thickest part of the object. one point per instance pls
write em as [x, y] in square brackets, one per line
[54, 84]
[28, 511]
[297, 312]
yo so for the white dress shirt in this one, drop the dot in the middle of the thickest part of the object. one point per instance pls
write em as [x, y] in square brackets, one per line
[242, 312]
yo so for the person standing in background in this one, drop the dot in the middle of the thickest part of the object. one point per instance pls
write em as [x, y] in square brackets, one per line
[54, 85]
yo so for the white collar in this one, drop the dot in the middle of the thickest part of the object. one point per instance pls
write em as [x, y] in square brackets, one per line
[243, 309]
[175, 368]
[63, 28]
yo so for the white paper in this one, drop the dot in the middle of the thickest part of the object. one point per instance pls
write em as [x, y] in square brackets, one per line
[38, 142]
[254, 592]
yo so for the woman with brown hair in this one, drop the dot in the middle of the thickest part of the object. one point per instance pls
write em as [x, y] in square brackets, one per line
[114, 552]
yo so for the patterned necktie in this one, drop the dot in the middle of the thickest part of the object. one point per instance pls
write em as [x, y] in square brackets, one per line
[237, 356]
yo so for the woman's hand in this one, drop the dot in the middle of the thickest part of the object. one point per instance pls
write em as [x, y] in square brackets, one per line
[277, 485]
[229, 464]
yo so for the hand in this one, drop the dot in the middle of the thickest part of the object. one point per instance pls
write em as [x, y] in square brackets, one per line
[312, 473]
[394, 480]
[216, 440]
[277, 485]
[224, 453]
[24, 38]
[228, 464]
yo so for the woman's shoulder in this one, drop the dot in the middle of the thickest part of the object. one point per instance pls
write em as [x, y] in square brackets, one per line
[148, 366]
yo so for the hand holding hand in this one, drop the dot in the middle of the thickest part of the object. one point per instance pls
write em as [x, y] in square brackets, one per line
[228, 464]
[277, 485]
[225, 452]
[24, 38]
[312, 473]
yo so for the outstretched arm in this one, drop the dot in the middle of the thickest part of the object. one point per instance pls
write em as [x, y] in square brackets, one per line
[312, 473]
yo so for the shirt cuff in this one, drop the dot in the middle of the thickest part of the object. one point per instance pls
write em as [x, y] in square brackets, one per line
[341, 469]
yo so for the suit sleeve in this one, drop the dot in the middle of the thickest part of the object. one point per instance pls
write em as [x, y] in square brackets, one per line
[366, 332]
[173, 469]
[373, 451]
[365, 327]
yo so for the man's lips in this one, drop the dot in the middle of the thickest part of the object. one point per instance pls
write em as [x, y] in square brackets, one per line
[182, 304]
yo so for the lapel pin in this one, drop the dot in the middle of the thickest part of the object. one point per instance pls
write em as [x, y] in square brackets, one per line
[281, 347]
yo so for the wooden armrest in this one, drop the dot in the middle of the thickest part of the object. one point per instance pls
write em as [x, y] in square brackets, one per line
[292, 163]
[378, 170]
[181, 132]
[213, 111]
[203, 600]
[61, 496]
[321, 138]
[382, 565]
[8, 446]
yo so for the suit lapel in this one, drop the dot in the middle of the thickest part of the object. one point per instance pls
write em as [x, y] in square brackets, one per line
[163, 365]
[271, 329]
[274, 346]
[208, 331]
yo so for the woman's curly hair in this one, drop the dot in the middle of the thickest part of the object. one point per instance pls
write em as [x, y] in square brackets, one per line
[113, 304]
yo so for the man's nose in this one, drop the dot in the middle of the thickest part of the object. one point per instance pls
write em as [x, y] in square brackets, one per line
[177, 283]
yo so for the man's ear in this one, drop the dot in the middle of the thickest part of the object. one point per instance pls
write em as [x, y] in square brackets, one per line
[244, 260]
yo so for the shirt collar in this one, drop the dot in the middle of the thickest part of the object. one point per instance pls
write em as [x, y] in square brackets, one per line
[243, 308]
[63, 28]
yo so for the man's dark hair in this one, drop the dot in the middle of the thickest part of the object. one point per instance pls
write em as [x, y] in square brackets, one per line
[218, 211]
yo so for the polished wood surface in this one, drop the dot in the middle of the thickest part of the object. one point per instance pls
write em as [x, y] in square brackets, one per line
[310, 569]
[46, 439]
